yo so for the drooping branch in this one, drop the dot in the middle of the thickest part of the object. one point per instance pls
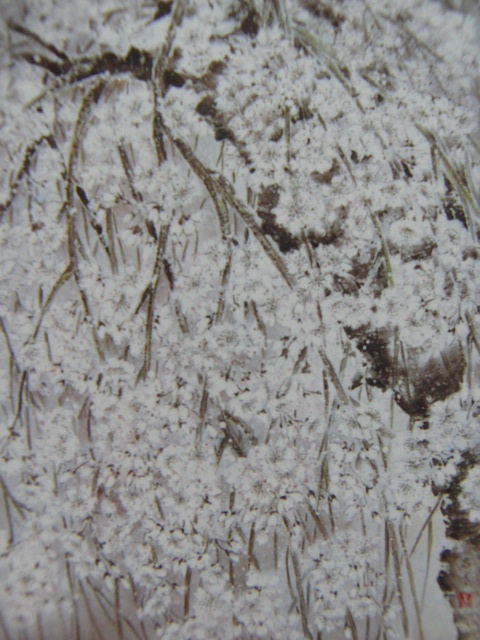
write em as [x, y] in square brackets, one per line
[163, 59]
[67, 208]
[24, 169]
[19, 28]
[59, 282]
[222, 193]
[223, 285]
[148, 296]
[159, 81]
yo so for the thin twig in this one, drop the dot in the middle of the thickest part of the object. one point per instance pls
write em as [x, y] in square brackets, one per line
[301, 597]
[186, 599]
[111, 239]
[385, 251]
[118, 615]
[412, 587]
[429, 555]
[158, 82]
[202, 412]
[76, 620]
[163, 58]
[7, 496]
[222, 193]
[209, 182]
[351, 624]
[89, 610]
[9, 346]
[342, 396]
[127, 167]
[11, 534]
[60, 281]
[251, 559]
[319, 524]
[19, 28]
[24, 169]
[21, 388]
[149, 297]
[430, 516]
[398, 576]
[223, 286]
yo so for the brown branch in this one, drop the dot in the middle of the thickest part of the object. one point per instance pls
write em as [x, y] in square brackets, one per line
[118, 615]
[24, 169]
[208, 180]
[202, 412]
[136, 62]
[62, 278]
[94, 223]
[15, 26]
[91, 98]
[301, 597]
[244, 426]
[149, 296]
[9, 346]
[412, 587]
[222, 193]
[186, 599]
[223, 445]
[111, 239]
[398, 576]
[227, 192]
[7, 496]
[158, 79]
[157, 132]
[54, 67]
[223, 286]
[350, 621]
[163, 58]
[89, 610]
[102, 599]
[23, 382]
[342, 396]
[251, 559]
[128, 171]
[318, 522]
[8, 514]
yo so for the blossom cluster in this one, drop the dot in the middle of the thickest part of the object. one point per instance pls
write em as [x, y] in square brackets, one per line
[234, 237]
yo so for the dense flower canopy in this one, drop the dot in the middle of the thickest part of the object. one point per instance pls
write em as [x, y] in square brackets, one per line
[239, 279]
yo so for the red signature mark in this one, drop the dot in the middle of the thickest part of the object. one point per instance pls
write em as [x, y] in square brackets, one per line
[464, 599]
